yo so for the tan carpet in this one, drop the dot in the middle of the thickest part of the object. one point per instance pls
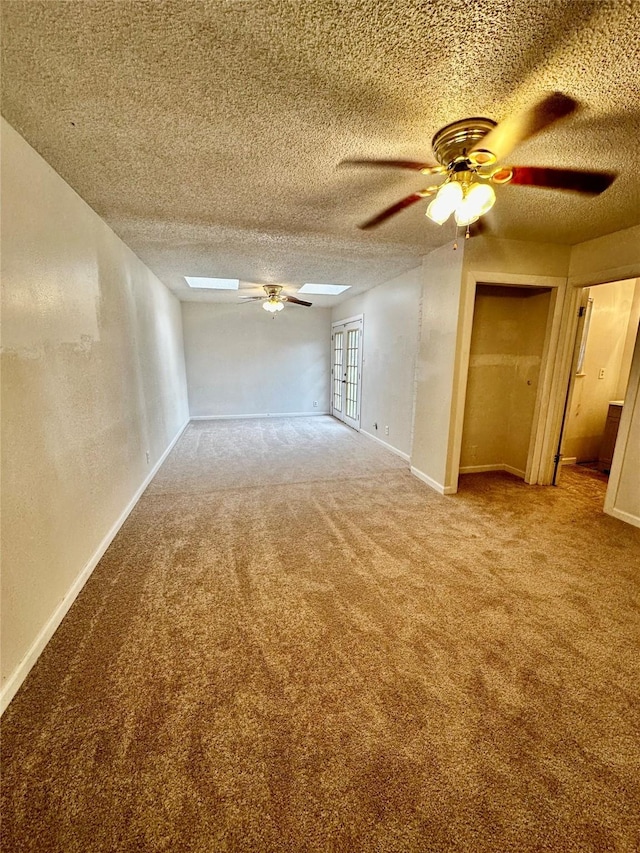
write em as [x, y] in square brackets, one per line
[295, 645]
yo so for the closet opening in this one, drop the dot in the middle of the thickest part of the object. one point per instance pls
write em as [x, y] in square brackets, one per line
[509, 332]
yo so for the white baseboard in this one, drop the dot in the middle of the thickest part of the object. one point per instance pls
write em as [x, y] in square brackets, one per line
[259, 415]
[515, 471]
[480, 469]
[15, 680]
[387, 446]
[623, 516]
[438, 487]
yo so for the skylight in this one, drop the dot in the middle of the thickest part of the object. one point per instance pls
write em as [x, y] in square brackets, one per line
[212, 283]
[324, 289]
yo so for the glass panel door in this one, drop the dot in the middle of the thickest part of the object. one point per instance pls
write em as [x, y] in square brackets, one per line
[346, 372]
[336, 373]
[351, 375]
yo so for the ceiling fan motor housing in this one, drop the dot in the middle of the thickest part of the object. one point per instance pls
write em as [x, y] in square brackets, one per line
[453, 143]
[272, 290]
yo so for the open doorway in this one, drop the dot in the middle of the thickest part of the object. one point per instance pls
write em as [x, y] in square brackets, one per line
[508, 336]
[603, 352]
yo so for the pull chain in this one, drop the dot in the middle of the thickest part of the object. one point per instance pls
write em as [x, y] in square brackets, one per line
[455, 239]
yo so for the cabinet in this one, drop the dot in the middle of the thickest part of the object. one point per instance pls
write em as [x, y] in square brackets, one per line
[609, 437]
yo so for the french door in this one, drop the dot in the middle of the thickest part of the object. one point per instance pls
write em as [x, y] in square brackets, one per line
[346, 371]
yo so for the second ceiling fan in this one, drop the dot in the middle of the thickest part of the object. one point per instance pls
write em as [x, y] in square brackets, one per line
[469, 154]
[275, 298]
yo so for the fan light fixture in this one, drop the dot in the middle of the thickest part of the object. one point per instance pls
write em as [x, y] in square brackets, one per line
[449, 197]
[274, 301]
[469, 153]
[467, 201]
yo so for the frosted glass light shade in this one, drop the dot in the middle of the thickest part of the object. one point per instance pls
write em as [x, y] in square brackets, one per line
[273, 305]
[437, 214]
[478, 200]
[465, 214]
[446, 201]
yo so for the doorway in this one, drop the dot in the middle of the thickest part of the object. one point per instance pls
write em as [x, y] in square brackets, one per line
[596, 390]
[508, 337]
[346, 370]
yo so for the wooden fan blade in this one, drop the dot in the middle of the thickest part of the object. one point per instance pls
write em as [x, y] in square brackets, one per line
[296, 300]
[396, 208]
[516, 129]
[425, 168]
[252, 298]
[574, 180]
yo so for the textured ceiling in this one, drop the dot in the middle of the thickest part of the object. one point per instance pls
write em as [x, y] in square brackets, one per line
[207, 134]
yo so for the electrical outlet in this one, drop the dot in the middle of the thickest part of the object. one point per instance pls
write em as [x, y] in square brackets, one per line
[147, 457]
[601, 373]
[386, 430]
[315, 404]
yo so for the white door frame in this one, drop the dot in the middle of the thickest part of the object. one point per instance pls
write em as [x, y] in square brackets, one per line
[565, 354]
[575, 286]
[357, 318]
[536, 467]
[582, 318]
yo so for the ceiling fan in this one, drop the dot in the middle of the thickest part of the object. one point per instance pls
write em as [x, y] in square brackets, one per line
[469, 154]
[275, 299]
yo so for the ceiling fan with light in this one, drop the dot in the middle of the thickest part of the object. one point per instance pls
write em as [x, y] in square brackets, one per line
[469, 153]
[275, 299]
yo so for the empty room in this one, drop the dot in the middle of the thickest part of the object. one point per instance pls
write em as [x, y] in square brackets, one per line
[320, 426]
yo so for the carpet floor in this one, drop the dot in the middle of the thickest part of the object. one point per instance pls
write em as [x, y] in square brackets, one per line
[295, 645]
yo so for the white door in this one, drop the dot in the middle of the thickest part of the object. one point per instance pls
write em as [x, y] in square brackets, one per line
[346, 371]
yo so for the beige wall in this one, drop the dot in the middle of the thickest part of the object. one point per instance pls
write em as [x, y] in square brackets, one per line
[390, 347]
[515, 257]
[630, 342]
[611, 337]
[613, 257]
[509, 328]
[243, 361]
[93, 380]
[437, 366]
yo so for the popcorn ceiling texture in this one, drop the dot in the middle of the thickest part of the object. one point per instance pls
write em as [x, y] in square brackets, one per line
[208, 134]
